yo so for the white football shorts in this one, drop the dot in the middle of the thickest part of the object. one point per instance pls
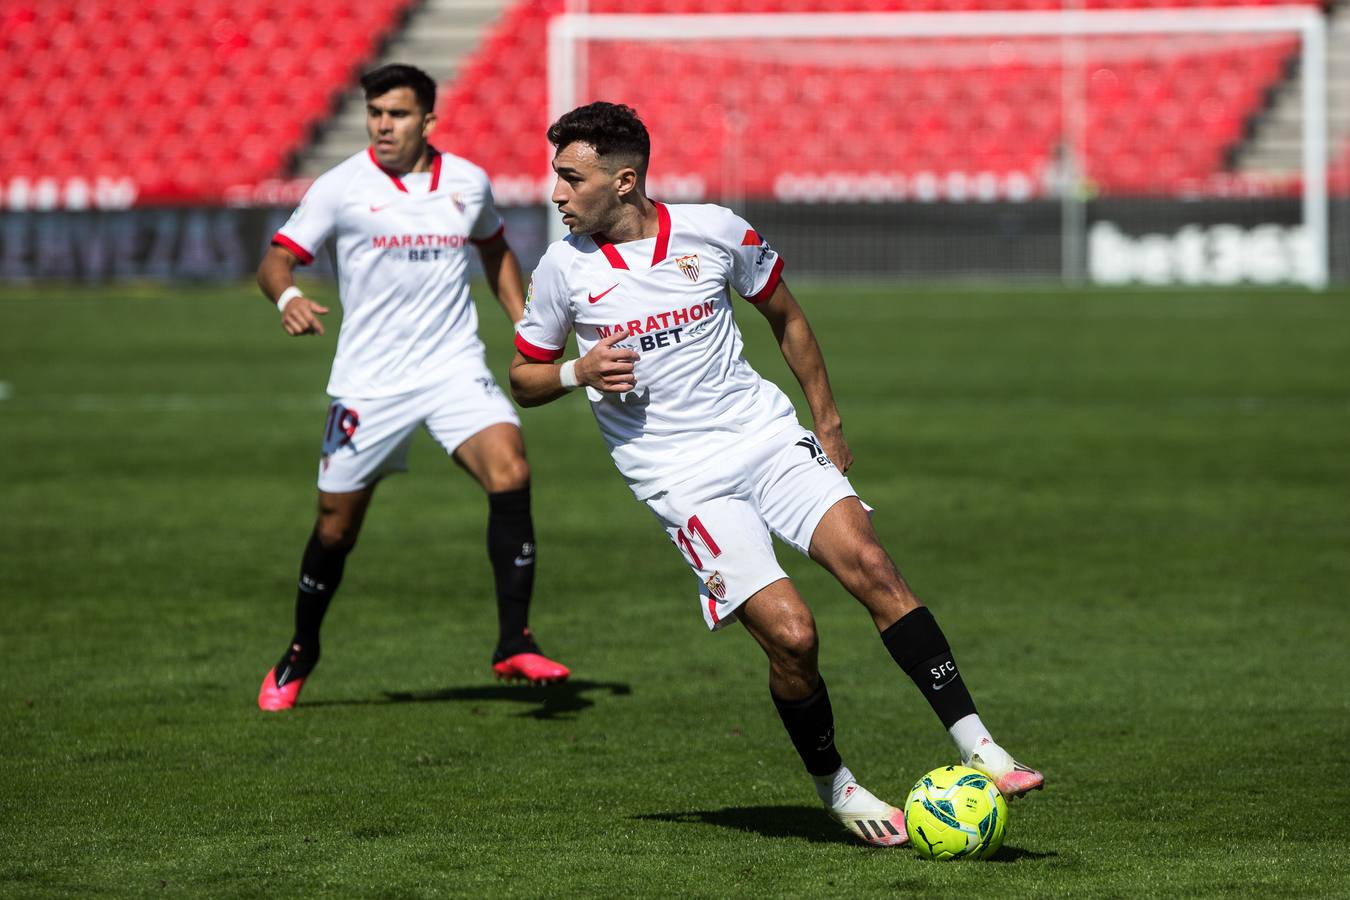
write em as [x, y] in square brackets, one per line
[721, 521]
[364, 440]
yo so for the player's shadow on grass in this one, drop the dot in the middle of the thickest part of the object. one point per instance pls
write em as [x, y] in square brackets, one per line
[807, 823]
[552, 701]
[549, 701]
[1008, 854]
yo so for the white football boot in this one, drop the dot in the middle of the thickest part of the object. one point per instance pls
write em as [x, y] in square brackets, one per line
[860, 811]
[1012, 778]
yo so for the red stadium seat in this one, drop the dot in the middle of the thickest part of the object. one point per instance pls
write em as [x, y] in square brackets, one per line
[244, 90]
[183, 96]
[1001, 116]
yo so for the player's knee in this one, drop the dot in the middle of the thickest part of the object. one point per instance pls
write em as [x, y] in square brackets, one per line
[336, 532]
[508, 474]
[796, 643]
[337, 540]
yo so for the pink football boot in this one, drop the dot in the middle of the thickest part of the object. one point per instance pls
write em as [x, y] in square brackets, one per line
[870, 818]
[273, 697]
[1012, 778]
[520, 659]
[533, 667]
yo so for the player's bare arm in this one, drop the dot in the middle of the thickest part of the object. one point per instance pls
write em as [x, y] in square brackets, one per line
[276, 275]
[798, 343]
[503, 276]
[607, 368]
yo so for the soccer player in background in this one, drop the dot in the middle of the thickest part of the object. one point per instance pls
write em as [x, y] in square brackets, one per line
[408, 354]
[714, 450]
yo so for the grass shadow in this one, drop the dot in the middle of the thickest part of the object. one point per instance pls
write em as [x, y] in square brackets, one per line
[551, 701]
[1008, 854]
[808, 823]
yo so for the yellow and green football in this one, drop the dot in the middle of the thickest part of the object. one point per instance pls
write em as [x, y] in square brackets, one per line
[956, 813]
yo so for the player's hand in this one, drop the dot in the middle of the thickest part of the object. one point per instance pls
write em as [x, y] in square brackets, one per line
[836, 448]
[608, 368]
[301, 316]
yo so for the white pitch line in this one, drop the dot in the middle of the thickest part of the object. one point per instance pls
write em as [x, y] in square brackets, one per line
[6, 390]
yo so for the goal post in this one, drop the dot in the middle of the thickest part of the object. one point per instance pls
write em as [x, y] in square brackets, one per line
[1048, 65]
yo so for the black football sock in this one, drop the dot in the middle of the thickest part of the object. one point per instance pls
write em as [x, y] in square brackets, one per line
[320, 574]
[510, 542]
[810, 725]
[920, 649]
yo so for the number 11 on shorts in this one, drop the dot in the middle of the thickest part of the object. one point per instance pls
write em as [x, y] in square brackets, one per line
[696, 528]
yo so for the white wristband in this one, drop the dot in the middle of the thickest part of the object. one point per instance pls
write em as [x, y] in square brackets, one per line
[287, 296]
[567, 375]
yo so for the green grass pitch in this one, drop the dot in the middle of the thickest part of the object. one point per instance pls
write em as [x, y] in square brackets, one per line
[1130, 509]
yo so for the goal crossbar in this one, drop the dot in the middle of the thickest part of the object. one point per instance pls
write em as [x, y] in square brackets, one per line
[567, 30]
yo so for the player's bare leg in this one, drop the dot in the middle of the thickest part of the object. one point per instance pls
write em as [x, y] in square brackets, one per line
[778, 619]
[845, 544]
[495, 457]
[335, 531]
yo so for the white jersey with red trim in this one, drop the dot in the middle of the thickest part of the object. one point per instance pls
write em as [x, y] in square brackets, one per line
[403, 267]
[696, 395]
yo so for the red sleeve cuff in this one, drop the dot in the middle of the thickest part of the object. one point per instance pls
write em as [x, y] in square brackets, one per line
[538, 354]
[775, 276]
[301, 253]
[491, 237]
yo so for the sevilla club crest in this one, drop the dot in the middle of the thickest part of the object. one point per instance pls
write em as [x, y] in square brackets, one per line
[689, 266]
[716, 586]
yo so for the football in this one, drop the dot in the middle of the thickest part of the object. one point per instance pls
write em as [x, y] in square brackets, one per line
[956, 813]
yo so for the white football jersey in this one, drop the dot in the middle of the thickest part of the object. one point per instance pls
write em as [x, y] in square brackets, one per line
[403, 267]
[696, 395]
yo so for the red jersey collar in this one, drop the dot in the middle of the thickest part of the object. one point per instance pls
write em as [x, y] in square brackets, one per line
[397, 179]
[658, 252]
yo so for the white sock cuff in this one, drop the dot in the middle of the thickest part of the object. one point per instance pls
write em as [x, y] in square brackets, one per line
[967, 732]
[831, 787]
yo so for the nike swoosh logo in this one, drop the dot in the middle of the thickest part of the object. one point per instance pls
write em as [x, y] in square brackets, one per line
[594, 297]
[374, 208]
[938, 687]
[523, 561]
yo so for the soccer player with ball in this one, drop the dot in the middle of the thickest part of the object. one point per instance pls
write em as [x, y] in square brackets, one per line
[714, 450]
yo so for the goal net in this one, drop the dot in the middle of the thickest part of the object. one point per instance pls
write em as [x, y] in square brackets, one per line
[1100, 146]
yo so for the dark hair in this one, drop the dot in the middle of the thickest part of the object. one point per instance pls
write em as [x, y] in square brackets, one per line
[378, 82]
[611, 128]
